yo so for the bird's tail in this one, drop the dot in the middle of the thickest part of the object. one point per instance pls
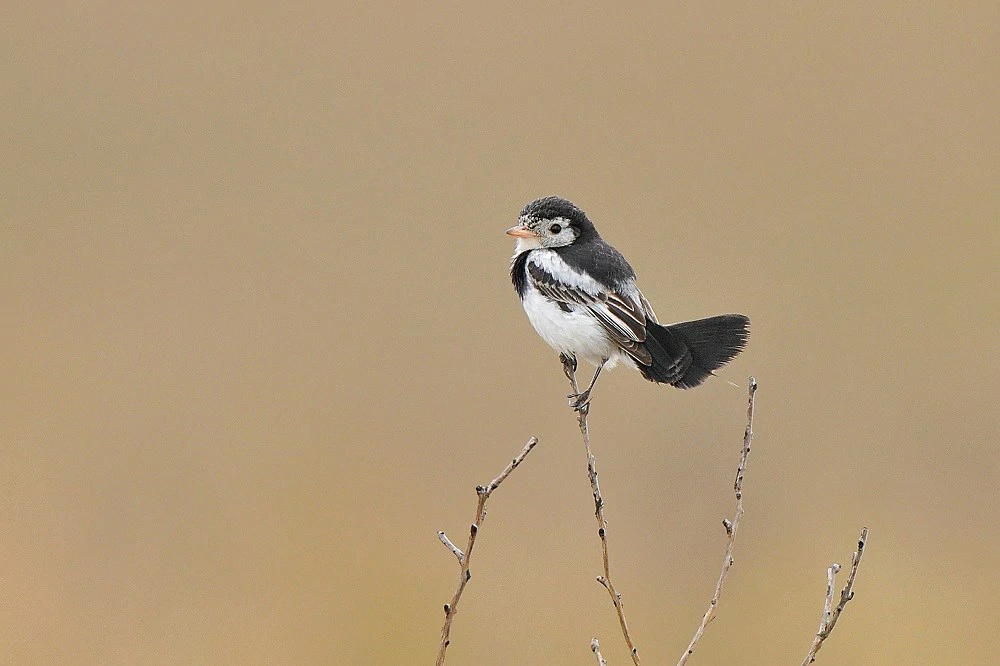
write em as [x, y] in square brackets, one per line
[684, 355]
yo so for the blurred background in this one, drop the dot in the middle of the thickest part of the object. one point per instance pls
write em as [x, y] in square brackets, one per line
[260, 343]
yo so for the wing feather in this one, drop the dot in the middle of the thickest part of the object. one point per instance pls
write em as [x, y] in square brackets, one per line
[622, 312]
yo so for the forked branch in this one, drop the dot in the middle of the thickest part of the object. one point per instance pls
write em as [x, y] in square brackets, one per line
[831, 614]
[484, 492]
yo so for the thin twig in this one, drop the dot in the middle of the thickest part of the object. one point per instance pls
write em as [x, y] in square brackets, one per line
[830, 614]
[596, 647]
[731, 526]
[569, 366]
[452, 547]
[463, 558]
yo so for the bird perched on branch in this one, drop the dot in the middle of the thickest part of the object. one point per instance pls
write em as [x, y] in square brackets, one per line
[581, 297]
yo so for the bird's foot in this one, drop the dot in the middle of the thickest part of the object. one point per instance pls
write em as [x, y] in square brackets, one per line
[580, 401]
[569, 365]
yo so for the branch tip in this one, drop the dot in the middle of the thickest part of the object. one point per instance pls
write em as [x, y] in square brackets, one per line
[456, 551]
[595, 647]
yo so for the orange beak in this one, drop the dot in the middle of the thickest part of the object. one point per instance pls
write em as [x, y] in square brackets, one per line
[522, 231]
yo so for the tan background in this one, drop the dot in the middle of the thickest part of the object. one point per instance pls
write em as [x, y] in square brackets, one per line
[259, 342]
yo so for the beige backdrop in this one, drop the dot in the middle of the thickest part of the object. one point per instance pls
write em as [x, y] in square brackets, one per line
[260, 344]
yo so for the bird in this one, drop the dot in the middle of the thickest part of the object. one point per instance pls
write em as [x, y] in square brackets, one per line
[581, 297]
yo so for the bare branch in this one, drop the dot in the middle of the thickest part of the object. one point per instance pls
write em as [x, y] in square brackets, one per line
[463, 558]
[450, 546]
[731, 526]
[596, 647]
[830, 614]
[569, 367]
[831, 582]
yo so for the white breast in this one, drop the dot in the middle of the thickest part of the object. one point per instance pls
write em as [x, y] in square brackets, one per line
[575, 332]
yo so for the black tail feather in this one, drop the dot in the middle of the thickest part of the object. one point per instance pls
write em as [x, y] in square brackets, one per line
[685, 354]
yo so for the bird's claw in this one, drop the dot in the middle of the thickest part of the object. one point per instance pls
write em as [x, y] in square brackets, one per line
[579, 401]
[569, 365]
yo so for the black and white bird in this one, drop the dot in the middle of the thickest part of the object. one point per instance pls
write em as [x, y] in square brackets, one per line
[581, 297]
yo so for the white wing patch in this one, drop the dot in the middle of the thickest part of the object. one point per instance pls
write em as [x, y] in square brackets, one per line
[553, 264]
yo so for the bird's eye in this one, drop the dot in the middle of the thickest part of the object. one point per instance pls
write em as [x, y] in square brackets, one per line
[555, 228]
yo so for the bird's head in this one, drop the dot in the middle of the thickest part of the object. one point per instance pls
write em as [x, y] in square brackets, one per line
[550, 222]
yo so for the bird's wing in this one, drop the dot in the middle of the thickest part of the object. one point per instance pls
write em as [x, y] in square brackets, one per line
[622, 311]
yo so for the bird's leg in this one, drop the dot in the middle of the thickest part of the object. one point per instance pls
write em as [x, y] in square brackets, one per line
[569, 366]
[580, 401]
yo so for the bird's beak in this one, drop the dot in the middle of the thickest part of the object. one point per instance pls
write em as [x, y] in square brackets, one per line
[522, 231]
